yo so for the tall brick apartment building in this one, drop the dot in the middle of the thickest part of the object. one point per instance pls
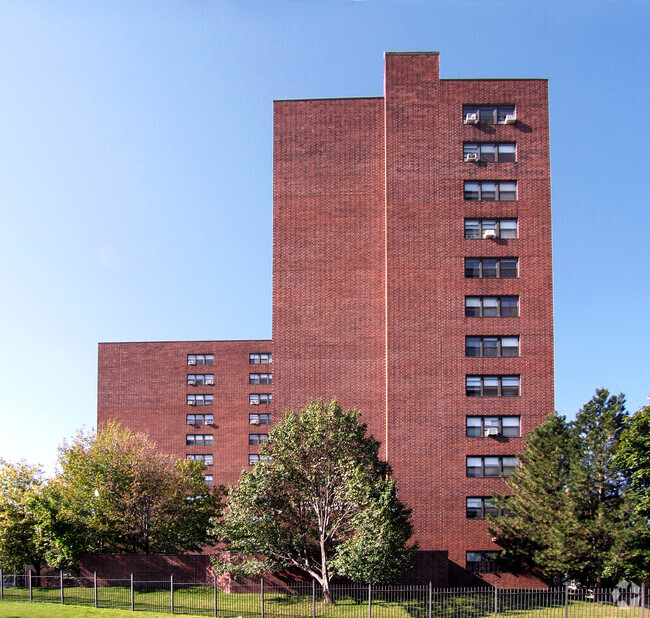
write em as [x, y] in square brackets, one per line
[411, 279]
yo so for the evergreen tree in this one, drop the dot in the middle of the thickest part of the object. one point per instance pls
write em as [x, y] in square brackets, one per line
[569, 510]
[630, 558]
[596, 486]
[533, 532]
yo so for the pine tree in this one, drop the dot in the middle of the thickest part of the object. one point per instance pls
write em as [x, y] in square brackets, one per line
[533, 531]
[596, 486]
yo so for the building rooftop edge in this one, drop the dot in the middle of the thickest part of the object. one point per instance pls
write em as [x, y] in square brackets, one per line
[188, 341]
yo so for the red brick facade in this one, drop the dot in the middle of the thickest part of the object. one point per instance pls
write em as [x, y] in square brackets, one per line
[370, 288]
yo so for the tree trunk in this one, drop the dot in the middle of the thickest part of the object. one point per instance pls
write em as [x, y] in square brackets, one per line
[327, 593]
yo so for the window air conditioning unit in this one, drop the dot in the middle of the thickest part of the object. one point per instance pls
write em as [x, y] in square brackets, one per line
[490, 234]
[208, 463]
[191, 403]
[191, 362]
[207, 422]
[255, 402]
[255, 422]
[191, 382]
[190, 422]
[471, 118]
[511, 118]
[210, 382]
[492, 431]
[471, 156]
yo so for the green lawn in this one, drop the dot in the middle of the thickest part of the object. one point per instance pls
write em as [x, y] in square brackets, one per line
[198, 601]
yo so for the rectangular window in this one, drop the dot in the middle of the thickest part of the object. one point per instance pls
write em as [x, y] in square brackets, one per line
[260, 358]
[200, 359]
[198, 379]
[260, 378]
[199, 439]
[489, 114]
[484, 426]
[199, 419]
[259, 419]
[492, 306]
[254, 458]
[489, 153]
[489, 466]
[491, 347]
[209, 480]
[482, 561]
[491, 268]
[255, 439]
[480, 508]
[491, 190]
[476, 229]
[492, 386]
[200, 400]
[260, 399]
[206, 459]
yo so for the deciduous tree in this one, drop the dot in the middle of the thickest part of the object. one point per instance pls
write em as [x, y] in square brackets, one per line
[320, 500]
[20, 536]
[116, 492]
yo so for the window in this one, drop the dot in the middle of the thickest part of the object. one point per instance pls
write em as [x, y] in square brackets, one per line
[200, 359]
[260, 358]
[489, 114]
[254, 458]
[491, 190]
[199, 419]
[200, 378]
[209, 480]
[484, 467]
[483, 426]
[480, 508]
[199, 439]
[491, 347]
[491, 268]
[492, 386]
[206, 459]
[489, 153]
[200, 400]
[490, 228]
[492, 306]
[260, 378]
[483, 561]
[255, 439]
[259, 419]
[260, 398]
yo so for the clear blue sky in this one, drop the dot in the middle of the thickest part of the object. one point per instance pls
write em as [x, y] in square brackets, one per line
[135, 173]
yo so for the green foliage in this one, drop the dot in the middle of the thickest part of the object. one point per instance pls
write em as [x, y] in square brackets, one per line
[117, 493]
[322, 502]
[532, 535]
[569, 508]
[20, 536]
[630, 558]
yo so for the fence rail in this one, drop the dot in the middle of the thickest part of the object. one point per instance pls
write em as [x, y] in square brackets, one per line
[307, 600]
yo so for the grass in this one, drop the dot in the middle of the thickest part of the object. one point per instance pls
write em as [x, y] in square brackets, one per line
[198, 601]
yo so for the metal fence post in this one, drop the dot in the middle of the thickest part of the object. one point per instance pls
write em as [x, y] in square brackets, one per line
[61, 586]
[369, 600]
[566, 600]
[31, 596]
[643, 599]
[132, 595]
[262, 597]
[496, 600]
[171, 594]
[430, 599]
[214, 587]
[95, 587]
[313, 598]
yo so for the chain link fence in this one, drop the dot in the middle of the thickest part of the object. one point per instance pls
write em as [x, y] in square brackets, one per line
[307, 600]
